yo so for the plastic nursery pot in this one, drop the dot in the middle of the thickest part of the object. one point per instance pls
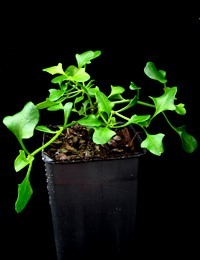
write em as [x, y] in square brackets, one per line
[93, 206]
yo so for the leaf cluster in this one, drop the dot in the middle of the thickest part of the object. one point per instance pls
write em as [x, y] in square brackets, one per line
[75, 94]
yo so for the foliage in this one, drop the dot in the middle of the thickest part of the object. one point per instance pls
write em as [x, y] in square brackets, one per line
[75, 94]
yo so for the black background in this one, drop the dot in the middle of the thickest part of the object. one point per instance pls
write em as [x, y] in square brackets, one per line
[37, 37]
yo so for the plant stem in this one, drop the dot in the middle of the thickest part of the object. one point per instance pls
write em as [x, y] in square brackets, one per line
[49, 142]
[122, 116]
[166, 118]
[145, 104]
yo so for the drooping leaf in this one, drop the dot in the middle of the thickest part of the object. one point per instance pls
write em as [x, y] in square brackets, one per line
[189, 143]
[23, 123]
[154, 143]
[22, 161]
[24, 194]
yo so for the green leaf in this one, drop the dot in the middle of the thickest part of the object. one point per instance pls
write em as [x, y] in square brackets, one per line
[71, 71]
[151, 71]
[180, 109]
[83, 110]
[78, 99]
[24, 194]
[67, 111]
[55, 69]
[189, 143]
[59, 79]
[80, 76]
[22, 161]
[142, 120]
[104, 104]
[133, 86]
[166, 101]
[86, 57]
[45, 129]
[55, 94]
[132, 103]
[56, 107]
[92, 91]
[139, 120]
[45, 104]
[154, 143]
[90, 120]
[23, 123]
[102, 135]
[116, 90]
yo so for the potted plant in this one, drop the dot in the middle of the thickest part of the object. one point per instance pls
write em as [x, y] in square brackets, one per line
[99, 130]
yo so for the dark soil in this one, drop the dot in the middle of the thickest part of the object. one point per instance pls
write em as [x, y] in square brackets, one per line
[75, 143]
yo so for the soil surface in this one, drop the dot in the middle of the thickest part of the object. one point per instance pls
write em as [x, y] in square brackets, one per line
[75, 143]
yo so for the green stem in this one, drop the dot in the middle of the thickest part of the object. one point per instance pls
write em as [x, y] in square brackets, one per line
[169, 123]
[121, 101]
[48, 143]
[88, 96]
[23, 147]
[122, 116]
[145, 104]
[101, 115]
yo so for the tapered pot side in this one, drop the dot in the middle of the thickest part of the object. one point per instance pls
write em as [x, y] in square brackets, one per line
[93, 206]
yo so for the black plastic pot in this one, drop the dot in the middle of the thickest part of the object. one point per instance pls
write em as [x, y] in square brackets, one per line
[93, 206]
